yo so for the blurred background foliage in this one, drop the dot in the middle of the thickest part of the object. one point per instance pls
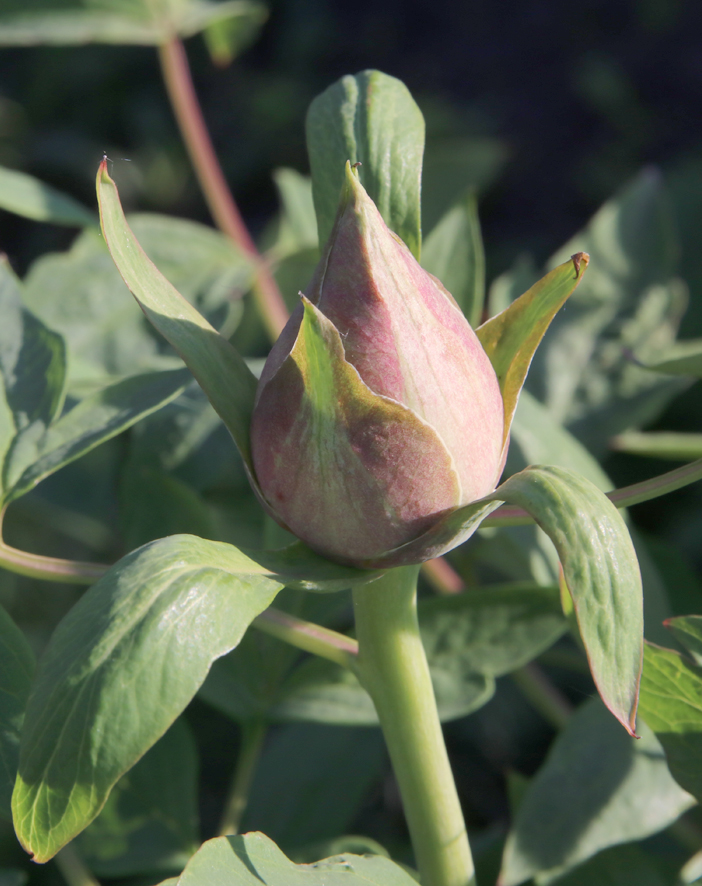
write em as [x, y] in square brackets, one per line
[548, 110]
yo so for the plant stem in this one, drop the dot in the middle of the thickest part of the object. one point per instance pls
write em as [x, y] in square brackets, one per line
[253, 733]
[621, 498]
[442, 576]
[77, 572]
[74, 872]
[392, 666]
[540, 692]
[181, 91]
[308, 636]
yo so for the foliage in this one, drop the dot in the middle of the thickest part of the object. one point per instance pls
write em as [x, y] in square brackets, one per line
[100, 742]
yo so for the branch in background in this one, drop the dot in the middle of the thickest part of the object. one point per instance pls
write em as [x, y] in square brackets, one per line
[179, 85]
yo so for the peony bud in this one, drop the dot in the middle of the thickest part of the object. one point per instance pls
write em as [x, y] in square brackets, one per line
[378, 411]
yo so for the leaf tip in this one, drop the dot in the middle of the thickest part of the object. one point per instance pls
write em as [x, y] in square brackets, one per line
[580, 262]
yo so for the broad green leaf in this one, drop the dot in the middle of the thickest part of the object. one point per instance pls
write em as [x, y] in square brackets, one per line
[687, 630]
[671, 704]
[669, 445]
[453, 252]
[601, 571]
[311, 780]
[145, 24]
[220, 370]
[512, 337]
[27, 196]
[537, 438]
[598, 788]
[368, 118]
[80, 294]
[119, 669]
[682, 358]
[154, 504]
[625, 865]
[149, 822]
[16, 670]
[94, 420]
[630, 303]
[33, 368]
[254, 860]
[351, 844]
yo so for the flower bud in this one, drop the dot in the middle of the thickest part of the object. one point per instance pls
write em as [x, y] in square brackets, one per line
[378, 411]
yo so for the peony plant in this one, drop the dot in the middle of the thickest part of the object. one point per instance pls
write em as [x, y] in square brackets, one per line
[377, 434]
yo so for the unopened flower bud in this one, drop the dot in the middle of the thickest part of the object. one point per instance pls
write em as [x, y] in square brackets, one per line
[378, 411]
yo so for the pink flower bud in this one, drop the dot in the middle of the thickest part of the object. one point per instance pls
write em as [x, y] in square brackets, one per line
[378, 411]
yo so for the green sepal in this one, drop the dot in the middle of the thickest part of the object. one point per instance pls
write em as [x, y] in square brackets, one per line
[511, 338]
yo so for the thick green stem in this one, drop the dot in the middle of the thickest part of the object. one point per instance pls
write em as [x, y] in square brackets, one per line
[252, 735]
[179, 85]
[392, 666]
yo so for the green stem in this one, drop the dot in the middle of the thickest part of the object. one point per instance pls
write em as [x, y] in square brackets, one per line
[76, 572]
[392, 666]
[308, 636]
[74, 872]
[181, 91]
[540, 692]
[253, 734]
[621, 498]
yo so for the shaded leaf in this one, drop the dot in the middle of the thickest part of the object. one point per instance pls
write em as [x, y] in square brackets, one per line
[630, 303]
[218, 367]
[625, 865]
[687, 630]
[681, 358]
[16, 670]
[369, 118]
[298, 223]
[253, 859]
[671, 704]
[453, 252]
[149, 821]
[623, 788]
[27, 196]
[310, 781]
[119, 669]
[97, 418]
[512, 337]
[601, 571]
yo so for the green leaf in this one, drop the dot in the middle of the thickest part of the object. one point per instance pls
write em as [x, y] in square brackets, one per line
[369, 118]
[119, 669]
[142, 24]
[687, 630]
[597, 788]
[311, 780]
[16, 671]
[253, 860]
[228, 28]
[512, 337]
[149, 822]
[669, 445]
[220, 370]
[33, 367]
[619, 866]
[671, 704]
[469, 639]
[27, 196]
[298, 223]
[630, 303]
[601, 571]
[94, 420]
[681, 358]
[453, 252]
